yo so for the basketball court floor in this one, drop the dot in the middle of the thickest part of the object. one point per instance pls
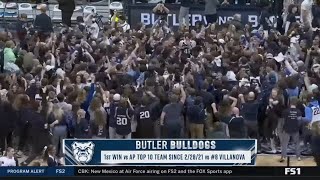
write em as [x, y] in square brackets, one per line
[273, 160]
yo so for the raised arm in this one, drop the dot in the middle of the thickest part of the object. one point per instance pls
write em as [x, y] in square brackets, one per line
[308, 58]
[90, 57]
[242, 100]
[165, 9]
[234, 101]
[183, 95]
[214, 108]
[53, 60]
[306, 76]
[290, 68]
[307, 82]
[154, 10]
[304, 13]
[130, 105]
[133, 53]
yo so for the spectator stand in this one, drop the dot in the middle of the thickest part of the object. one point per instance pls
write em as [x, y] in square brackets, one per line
[10, 11]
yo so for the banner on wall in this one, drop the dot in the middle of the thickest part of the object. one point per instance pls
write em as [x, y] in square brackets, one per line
[143, 13]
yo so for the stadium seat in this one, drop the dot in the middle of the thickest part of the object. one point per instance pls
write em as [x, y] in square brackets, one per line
[88, 10]
[155, 1]
[1, 8]
[11, 10]
[77, 12]
[26, 8]
[116, 6]
[56, 13]
[78, 8]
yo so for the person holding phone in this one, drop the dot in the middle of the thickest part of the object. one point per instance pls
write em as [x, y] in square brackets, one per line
[162, 12]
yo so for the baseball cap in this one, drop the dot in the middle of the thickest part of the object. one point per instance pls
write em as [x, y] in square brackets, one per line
[269, 56]
[313, 87]
[116, 97]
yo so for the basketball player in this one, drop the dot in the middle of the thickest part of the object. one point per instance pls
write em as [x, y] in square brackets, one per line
[312, 115]
[145, 116]
[111, 115]
[123, 116]
[312, 110]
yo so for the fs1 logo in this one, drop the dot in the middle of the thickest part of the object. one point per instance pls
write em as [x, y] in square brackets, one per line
[292, 171]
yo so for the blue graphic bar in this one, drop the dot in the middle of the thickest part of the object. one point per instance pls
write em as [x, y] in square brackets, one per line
[86, 171]
[36, 171]
[142, 152]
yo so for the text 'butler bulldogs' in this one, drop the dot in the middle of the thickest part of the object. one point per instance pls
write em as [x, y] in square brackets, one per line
[182, 145]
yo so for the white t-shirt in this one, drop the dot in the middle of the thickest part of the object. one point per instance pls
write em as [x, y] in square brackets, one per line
[5, 161]
[94, 30]
[306, 5]
[125, 26]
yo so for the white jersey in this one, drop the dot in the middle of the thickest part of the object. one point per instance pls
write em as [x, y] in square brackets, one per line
[315, 114]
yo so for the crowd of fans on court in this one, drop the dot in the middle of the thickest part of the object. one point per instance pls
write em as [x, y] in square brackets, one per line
[121, 82]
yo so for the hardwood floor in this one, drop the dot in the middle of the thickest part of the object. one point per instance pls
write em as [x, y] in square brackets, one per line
[273, 160]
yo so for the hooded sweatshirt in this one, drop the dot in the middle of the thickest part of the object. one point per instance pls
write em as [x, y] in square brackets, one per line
[9, 56]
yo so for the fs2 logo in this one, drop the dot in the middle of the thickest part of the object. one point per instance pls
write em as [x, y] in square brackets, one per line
[292, 171]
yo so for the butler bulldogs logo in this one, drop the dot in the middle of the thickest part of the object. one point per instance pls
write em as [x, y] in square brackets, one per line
[83, 152]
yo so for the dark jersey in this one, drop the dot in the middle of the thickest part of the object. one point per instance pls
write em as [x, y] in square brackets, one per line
[111, 114]
[145, 120]
[237, 127]
[123, 120]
